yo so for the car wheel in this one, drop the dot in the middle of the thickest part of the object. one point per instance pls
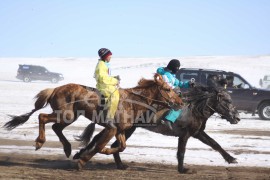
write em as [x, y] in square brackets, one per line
[26, 79]
[264, 111]
[54, 80]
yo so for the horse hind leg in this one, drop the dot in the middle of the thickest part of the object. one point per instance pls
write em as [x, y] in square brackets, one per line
[96, 145]
[121, 139]
[44, 119]
[117, 158]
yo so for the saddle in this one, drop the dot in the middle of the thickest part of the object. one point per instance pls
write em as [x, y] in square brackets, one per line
[102, 104]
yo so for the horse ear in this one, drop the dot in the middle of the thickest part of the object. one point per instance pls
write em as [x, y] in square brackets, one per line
[158, 79]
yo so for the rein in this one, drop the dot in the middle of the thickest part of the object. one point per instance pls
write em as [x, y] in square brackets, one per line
[207, 105]
[165, 104]
[213, 110]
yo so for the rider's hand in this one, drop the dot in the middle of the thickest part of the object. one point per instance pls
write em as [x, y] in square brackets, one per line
[191, 84]
[117, 77]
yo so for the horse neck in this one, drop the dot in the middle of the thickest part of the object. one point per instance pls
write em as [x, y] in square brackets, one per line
[201, 109]
[147, 93]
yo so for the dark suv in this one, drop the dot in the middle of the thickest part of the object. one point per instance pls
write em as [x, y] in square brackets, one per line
[28, 73]
[245, 97]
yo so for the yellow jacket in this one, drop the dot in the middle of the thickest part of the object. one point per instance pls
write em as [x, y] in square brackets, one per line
[105, 83]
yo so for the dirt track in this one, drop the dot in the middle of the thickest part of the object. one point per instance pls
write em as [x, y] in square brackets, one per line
[27, 166]
[14, 166]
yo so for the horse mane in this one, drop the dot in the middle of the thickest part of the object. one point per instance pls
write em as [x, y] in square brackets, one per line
[144, 83]
[197, 96]
[196, 93]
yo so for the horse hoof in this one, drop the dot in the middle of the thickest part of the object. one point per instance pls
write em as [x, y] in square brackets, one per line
[67, 152]
[234, 161]
[186, 171]
[38, 145]
[77, 156]
[122, 167]
[80, 165]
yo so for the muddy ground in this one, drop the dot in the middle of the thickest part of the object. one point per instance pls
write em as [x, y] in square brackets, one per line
[25, 166]
[32, 166]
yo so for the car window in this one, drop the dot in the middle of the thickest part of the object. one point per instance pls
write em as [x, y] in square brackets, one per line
[207, 77]
[25, 67]
[38, 69]
[188, 75]
[43, 69]
[266, 78]
[236, 82]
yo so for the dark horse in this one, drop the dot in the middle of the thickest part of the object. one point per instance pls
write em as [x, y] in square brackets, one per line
[70, 101]
[202, 102]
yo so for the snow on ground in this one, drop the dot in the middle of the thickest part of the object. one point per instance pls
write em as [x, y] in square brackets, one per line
[16, 97]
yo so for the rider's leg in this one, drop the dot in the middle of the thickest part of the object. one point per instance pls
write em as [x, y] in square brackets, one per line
[113, 101]
[171, 117]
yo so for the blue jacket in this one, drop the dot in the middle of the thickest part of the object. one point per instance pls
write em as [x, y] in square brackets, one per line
[171, 79]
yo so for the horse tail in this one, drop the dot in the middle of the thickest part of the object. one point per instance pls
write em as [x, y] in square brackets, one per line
[42, 101]
[86, 135]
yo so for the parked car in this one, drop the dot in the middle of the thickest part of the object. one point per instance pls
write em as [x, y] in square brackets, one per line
[245, 97]
[265, 82]
[29, 73]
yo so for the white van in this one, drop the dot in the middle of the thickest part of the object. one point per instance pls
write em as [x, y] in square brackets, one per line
[265, 82]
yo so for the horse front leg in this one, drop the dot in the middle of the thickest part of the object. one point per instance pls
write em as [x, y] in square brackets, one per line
[182, 142]
[58, 129]
[116, 155]
[203, 137]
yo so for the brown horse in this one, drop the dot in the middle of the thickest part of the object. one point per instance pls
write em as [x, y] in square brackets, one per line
[70, 101]
[202, 103]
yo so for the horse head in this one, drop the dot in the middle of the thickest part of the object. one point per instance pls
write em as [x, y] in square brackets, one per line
[209, 100]
[224, 106]
[166, 93]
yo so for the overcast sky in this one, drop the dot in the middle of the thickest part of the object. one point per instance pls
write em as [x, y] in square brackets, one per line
[138, 28]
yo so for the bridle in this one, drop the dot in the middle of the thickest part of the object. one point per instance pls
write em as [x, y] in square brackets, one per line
[215, 111]
[167, 99]
[207, 97]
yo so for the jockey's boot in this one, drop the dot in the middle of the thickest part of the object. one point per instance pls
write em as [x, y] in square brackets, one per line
[110, 124]
[167, 123]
